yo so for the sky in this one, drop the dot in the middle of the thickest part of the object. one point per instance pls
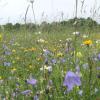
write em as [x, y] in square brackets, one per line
[13, 11]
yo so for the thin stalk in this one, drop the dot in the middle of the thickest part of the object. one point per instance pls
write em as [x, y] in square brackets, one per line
[76, 8]
[26, 13]
[75, 32]
[33, 14]
[90, 75]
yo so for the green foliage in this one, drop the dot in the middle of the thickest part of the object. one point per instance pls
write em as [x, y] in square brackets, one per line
[81, 23]
[16, 26]
[8, 26]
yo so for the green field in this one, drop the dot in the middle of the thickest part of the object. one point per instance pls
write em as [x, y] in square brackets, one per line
[33, 64]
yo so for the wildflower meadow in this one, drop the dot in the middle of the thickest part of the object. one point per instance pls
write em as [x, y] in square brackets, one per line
[55, 65]
[58, 60]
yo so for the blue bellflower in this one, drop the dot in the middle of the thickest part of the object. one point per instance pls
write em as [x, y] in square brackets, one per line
[26, 92]
[32, 81]
[71, 80]
[53, 61]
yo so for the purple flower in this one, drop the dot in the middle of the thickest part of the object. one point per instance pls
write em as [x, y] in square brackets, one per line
[46, 52]
[99, 56]
[5, 47]
[63, 60]
[31, 81]
[26, 92]
[98, 68]
[71, 80]
[7, 64]
[36, 97]
[7, 53]
[53, 61]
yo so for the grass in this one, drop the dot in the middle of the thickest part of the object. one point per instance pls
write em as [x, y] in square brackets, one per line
[28, 56]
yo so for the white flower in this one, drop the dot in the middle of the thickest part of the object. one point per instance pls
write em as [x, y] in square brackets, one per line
[85, 36]
[69, 39]
[39, 32]
[97, 41]
[76, 33]
[96, 90]
[41, 40]
[49, 68]
[80, 92]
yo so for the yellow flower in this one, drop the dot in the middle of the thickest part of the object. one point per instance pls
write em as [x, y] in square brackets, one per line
[14, 69]
[79, 54]
[59, 54]
[0, 78]
[30, 66]
[32, 49]
[0, 37]
[87, 42]
[13, 50]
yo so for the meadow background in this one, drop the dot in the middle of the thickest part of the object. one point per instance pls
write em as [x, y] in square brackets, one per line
[50, 61]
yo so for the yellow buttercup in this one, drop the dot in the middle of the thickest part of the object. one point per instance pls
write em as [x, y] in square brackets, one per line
[87, 42]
